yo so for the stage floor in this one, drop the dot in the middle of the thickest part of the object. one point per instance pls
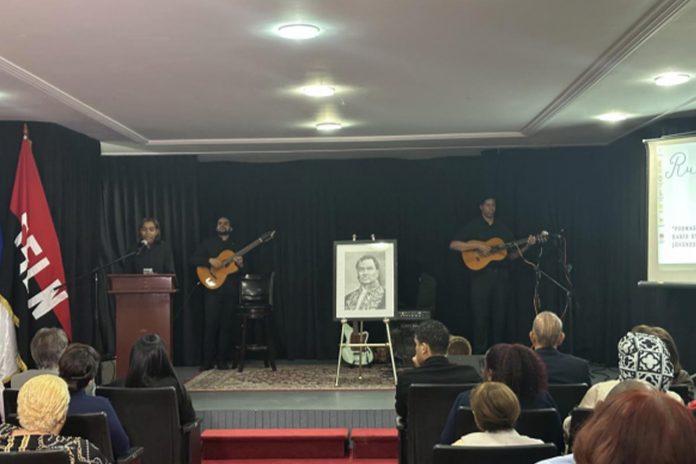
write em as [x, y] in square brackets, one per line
[304, 409]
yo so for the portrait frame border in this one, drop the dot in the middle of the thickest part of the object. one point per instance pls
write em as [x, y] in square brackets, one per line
[390, 277]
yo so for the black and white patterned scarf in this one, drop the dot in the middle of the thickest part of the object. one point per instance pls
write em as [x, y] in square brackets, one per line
[645, 357]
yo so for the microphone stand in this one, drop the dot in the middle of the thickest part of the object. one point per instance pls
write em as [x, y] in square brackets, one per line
[567, 289]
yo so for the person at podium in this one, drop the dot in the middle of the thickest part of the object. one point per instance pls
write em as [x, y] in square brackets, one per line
[219, 303]
[153, 255]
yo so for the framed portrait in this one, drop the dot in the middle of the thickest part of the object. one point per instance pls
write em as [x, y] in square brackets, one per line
[364, 279]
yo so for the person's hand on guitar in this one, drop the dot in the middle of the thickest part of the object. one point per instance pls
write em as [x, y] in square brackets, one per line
[483, 249]
[239, 261]
[215, 263]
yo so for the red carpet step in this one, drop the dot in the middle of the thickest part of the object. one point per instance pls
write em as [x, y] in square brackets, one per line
[375, 443]
[274, 443]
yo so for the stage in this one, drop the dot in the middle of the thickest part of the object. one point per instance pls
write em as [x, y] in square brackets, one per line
[371, 407]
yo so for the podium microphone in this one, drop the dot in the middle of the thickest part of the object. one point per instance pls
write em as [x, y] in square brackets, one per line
[143, 245]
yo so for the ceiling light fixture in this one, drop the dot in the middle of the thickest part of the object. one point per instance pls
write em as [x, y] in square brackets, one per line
[298, 31]
[671, 79]
[328, 126]
[612, 117]
[318, 91]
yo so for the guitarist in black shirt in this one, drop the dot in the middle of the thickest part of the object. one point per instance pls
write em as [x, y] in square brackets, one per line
[219, 303]
[489, 285]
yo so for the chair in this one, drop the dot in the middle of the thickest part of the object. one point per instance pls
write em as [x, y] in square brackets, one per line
[428, 407]
[578, 417]
[95, 428]
[567, 396]
[9, 400]
[683, 391]
[255, 305]
[543, 424]
[527, 454]
[150, 417]
[35, 457]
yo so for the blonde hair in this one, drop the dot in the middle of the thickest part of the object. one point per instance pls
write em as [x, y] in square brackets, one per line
[495, 406]
[42, 403]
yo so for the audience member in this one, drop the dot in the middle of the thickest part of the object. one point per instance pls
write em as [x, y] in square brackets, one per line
[642, 357]
[150, 367]
[78, 367]
[519, 368]
[431, 339]
[681, 376]
[496, 409]
[546, 336]
[42, 406]
[641, 426]
[46, 348]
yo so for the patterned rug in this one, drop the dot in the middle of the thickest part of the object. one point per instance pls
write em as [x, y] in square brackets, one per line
[293, 377]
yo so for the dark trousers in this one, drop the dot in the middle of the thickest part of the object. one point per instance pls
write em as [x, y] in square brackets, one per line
[489, 289]
[219, 314]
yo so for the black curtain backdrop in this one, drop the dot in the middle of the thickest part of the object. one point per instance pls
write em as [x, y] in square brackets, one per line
[596, 194]
[313, 203]
[133, 188]
[68, 164]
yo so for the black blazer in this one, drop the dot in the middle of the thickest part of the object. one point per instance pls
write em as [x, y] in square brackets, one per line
[435, 369]
[565, 368]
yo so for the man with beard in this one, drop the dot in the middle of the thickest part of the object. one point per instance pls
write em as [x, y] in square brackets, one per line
[219, 303]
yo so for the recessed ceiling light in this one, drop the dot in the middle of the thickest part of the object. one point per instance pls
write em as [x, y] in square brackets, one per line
[328, 126]
[318, 91]
[612, 117]
[298, 31]
[672, 78]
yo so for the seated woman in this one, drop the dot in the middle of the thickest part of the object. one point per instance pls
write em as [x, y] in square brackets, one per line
[42, 406]
[496, 409]
[681, 376]
[639, 426]
[150, 367]
[78, 367]
[522, 370]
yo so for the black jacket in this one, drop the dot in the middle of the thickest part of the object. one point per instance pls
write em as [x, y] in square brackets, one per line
[435, 369]
[565, 368]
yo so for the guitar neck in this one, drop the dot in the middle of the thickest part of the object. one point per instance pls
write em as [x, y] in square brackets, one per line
[244, 250]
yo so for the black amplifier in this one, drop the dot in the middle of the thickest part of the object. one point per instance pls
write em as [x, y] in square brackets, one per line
[416, 315]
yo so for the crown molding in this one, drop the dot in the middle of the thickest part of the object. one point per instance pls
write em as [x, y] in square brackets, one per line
[639, 32]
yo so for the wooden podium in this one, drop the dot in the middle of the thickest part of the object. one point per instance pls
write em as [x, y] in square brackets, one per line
[143, 305]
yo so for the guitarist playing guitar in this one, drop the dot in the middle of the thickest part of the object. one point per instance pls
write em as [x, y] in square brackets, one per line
[219, 303]
[489, 284]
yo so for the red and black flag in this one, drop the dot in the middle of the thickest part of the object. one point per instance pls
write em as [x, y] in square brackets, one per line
[33, 279]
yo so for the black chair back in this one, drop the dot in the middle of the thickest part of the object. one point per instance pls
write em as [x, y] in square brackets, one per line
[543, 424]
[9, 401]
[35, 457]
[528, 454]
[428, 407]
[578, 417]
[256, 289]
[683, 391]
[93, 427]
[567, 396]
[150, 417]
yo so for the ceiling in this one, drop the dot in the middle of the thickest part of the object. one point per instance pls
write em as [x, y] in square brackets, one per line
[414, 78]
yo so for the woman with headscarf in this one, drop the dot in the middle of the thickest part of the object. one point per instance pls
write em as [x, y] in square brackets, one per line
[42, 406]
[641, 357]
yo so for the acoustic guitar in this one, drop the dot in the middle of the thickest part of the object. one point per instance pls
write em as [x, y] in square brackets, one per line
[475, 260]
[214, 278]
[355, 355]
